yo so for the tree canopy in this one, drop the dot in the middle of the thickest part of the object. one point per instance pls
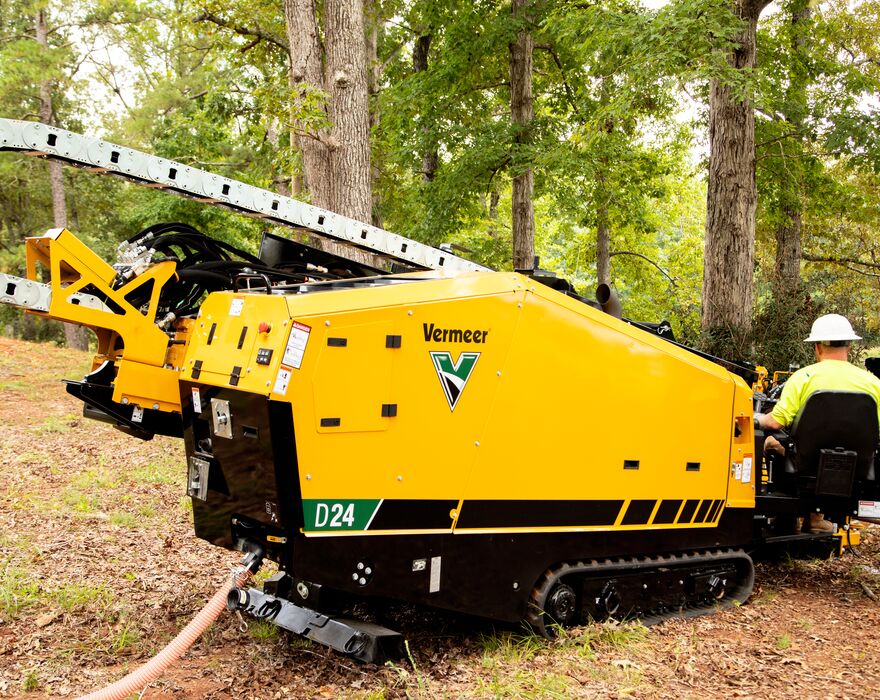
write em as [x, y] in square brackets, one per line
[617, 136]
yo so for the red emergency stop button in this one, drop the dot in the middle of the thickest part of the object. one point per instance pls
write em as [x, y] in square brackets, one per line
[265, 327]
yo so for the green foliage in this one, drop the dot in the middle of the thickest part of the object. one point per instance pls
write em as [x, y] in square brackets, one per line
[207, 83]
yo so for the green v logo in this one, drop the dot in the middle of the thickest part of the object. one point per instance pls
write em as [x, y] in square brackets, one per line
[454, 377]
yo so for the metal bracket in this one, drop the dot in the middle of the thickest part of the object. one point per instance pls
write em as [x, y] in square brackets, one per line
[361, 640]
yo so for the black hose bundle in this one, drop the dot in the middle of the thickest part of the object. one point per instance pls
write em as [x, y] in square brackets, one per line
[206, 265]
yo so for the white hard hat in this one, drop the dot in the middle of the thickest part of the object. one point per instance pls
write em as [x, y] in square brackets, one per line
[831, 327]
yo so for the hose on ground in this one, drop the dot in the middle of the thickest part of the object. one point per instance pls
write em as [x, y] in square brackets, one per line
[155, 667]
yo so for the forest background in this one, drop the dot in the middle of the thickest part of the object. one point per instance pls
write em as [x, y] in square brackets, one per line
[715, 161]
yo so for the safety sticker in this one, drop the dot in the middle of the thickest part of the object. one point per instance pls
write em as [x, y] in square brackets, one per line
[869, 509]
[747, 470]
[737, 471]
[282, 379]
[236, 306]
[197, 400]
[434, 582]
[296, 345]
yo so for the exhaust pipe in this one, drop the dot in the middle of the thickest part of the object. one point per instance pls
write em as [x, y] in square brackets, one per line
[608, 300]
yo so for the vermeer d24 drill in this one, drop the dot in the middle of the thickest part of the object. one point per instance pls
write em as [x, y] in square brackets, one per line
[420, 428]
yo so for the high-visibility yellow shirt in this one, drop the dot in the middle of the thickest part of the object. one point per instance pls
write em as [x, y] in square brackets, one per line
[830, 375]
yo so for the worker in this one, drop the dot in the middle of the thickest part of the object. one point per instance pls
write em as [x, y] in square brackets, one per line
[831, 336]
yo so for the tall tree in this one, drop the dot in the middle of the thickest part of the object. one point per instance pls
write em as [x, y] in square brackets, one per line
[521, 112]
[336, 158]
[74, 335]
[729, 247]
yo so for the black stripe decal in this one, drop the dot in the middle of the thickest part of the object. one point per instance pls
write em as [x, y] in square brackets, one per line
[716, 508]
[638, 513]
[504, 514]
[687, 513]
[703, 512]
[414, 514]
[666, 512]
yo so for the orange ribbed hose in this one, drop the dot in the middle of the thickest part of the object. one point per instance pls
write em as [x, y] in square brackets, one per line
[155, 667]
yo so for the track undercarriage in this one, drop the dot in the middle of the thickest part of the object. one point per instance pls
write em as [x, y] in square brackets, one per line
[650, 589]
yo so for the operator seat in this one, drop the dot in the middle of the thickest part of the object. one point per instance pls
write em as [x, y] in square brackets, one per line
[833, 443]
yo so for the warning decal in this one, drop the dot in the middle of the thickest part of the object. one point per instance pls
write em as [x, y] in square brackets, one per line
[281, 381]
[296, 345]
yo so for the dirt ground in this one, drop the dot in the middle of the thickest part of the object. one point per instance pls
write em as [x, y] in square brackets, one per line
[99, 569]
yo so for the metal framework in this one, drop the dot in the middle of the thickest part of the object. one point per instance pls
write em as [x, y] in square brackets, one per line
[102, 157]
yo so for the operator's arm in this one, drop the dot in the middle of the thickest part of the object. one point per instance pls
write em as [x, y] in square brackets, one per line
[767, 421]
[790, 402]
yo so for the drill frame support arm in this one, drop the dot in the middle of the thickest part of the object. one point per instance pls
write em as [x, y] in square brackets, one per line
[102, 157]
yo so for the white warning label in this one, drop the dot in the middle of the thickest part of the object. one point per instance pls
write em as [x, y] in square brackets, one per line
[737, 471]
[747, 470]
[869, 509]
[296, 345]
[236, 306]
[282, 379]
[197, 400]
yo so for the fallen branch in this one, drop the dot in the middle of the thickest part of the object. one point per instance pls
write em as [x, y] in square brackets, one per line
[868, 591]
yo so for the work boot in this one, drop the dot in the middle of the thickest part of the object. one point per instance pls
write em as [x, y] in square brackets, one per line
[818, 524]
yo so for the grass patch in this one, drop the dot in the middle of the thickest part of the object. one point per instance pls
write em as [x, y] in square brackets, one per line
[18, 590]
[607, 636]
[146, 511]
[124, 639]
[524, 684]
[30, 681]
[78, 501]
[765, 597]
[509, 647]
[95, 479]
[14, 385]
[56, 424]
[75, 596]
[158, 474]
[262, 630]
[783, 642]
[29, 458]
[123, 519]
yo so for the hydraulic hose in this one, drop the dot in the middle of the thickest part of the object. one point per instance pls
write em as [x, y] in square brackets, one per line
[155, 667]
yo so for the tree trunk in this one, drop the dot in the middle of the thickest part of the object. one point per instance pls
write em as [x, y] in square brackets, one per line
[281, 182]
[372, 9]
[521, 112]
[730, 207]
[787, 272]
[346, 81]
[306, 69]
[430, 156]
[603, 246]
[56, 176]
[74, 335]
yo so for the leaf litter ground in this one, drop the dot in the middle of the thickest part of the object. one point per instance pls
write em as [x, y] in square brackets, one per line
[99, 569]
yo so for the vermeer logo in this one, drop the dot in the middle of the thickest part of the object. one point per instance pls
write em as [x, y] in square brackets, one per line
[453, 335]
[454, 376]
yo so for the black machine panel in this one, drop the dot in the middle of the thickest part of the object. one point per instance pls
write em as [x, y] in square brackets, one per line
[252, 488]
